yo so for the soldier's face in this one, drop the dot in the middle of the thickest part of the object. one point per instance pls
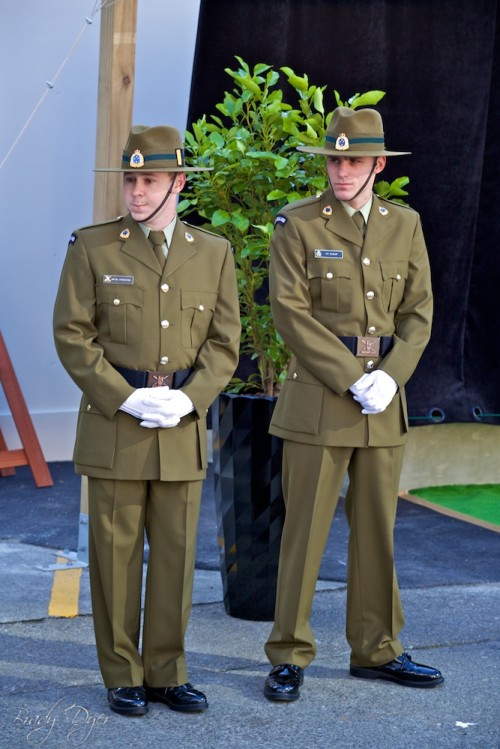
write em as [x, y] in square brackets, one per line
[347, 176]
[143, 193]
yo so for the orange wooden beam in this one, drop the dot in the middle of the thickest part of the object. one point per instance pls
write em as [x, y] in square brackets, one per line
[32, 453]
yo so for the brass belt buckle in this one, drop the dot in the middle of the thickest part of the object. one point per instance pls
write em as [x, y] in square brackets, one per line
[368, 346]
[158, 379]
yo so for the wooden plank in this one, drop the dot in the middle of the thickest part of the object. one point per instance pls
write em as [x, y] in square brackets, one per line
[3, 446]
[11, 458]
[114, 120]
[24, 425]
[115, 102]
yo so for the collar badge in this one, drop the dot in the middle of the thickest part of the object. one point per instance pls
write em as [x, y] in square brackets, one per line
[327, 210]
[189, 237]
[383, 210]
[125, 234]
[342, 142]
[137, 159]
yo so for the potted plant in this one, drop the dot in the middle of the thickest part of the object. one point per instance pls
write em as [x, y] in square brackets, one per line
[252, 144]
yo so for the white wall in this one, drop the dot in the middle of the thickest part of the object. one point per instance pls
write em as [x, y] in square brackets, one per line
[47, 181]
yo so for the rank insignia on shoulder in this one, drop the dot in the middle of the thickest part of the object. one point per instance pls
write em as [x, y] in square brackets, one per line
[329, 254]
[280, 220]
[125, 234]
[137, 159]
[72, 239]
[189, 237]
[383, 210]
[327, 210]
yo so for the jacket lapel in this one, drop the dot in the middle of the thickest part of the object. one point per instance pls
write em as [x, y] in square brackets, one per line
[341, 224]
[182, 247]
[338, 220]
[137, 245]
[379, 222]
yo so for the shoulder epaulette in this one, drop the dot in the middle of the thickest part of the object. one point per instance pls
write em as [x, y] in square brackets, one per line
[101, 223]
[204, 231]
[301, 202]
[104, 228]
[394, 202]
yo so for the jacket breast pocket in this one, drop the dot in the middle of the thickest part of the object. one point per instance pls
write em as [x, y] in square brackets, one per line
[197, 310]
[330, 285]
[394, 275]
[119, 313]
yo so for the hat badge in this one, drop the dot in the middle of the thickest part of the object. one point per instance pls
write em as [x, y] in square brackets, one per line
[137, 159]
[342, 142]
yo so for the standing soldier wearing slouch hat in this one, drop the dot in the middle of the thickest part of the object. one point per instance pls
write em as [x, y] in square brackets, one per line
[147, 324]
[351, 295]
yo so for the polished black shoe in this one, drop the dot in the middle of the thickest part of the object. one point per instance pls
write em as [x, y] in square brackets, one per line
[128, 700]
[184, 698]
[284, 682]
[403, 671]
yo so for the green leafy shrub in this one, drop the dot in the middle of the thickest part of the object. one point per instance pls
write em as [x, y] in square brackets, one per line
[252, 144]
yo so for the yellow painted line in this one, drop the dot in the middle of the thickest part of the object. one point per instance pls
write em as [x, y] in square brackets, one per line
[65, 591]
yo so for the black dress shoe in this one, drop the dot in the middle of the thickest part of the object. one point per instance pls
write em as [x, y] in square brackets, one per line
[184, 698]
[128, 700]
[403, 671]
[284, 682]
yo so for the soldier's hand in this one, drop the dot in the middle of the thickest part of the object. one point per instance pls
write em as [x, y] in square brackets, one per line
[168, 410]
[360, 386]
[137, 404]
[374, 391]
[159, 421]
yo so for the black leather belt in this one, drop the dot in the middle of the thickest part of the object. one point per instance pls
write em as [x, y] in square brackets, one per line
[360, 345]
[147, 379]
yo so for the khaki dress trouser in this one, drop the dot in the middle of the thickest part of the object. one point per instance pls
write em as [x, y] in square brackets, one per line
[119, 513]
[312, 481]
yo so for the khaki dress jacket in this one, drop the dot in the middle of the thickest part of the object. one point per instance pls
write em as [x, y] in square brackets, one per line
[116, 306]
[325, 282]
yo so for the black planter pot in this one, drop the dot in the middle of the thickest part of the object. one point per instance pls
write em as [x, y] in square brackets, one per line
[249, 502]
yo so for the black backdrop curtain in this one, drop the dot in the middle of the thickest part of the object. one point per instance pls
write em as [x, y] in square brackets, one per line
[438, 63]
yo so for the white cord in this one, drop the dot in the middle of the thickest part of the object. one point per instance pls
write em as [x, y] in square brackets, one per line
[89, 20]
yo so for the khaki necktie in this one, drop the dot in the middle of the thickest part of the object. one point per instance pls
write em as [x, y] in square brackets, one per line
[157, 239]
[359, 220]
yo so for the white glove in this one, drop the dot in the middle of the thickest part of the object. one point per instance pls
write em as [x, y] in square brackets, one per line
[374, 391]
[167, 411]
[360, 385]
[137, 404]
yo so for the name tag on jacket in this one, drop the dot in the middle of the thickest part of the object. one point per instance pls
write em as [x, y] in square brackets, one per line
[118, 279]
[335, 254]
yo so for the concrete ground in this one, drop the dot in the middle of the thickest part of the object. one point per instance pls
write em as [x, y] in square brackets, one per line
[51, 693]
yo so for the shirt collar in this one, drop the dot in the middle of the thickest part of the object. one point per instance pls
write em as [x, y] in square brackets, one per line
[364, 210]
[167, 230]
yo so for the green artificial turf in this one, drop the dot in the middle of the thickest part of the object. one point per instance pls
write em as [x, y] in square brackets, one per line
[480, 501]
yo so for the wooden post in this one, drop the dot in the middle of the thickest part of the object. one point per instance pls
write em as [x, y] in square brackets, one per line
[114, 120]
[31, 453]
[115, 102]
[3, 448]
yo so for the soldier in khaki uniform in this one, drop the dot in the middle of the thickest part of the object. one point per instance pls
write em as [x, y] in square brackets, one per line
[353, 301]
[150, 342]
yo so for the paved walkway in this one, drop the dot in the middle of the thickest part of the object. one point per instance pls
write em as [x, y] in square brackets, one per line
[51, 693]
